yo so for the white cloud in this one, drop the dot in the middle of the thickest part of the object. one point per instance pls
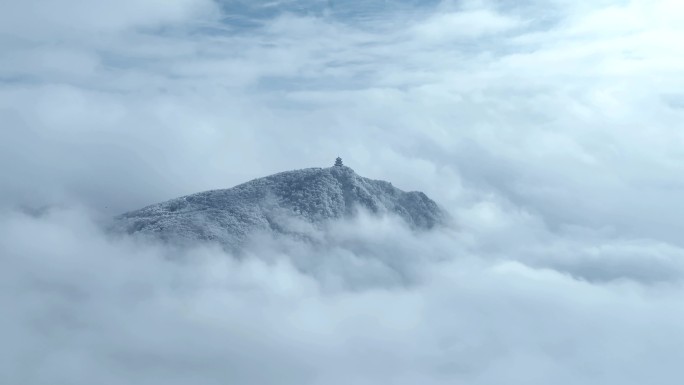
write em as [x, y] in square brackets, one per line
[78, 19]
[82, 308]
[465, 24]
[550, 130]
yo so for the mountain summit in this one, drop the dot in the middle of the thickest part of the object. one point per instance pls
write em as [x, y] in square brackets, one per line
[275, 203]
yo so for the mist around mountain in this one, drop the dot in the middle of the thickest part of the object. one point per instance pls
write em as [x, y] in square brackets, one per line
[551, 131]
[290, 203]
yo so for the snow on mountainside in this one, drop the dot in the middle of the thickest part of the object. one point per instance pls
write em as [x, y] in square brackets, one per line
[276, 203]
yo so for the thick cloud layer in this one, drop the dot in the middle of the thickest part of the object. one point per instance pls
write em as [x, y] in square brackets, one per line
[552, 131]
[376, 304]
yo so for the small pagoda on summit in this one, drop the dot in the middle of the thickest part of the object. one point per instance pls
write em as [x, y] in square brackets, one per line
[338, 162]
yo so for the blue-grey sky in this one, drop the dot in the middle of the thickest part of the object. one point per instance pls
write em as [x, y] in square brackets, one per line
[550, 130]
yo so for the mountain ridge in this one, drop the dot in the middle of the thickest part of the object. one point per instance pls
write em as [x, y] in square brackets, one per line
[312, 195]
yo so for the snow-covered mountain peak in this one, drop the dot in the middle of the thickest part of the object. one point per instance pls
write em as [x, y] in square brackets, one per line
[314, 195]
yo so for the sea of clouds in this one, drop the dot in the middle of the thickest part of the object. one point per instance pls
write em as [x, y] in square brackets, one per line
[551, 131]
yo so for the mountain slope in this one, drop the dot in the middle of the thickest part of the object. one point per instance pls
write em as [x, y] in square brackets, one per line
[277, 203]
